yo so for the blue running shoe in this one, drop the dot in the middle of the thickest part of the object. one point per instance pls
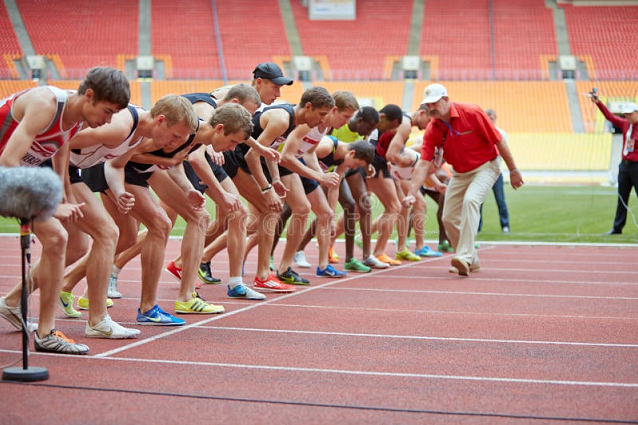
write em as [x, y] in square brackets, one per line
[330, 271]
[158, 317]
[426, 251]
[242, 291]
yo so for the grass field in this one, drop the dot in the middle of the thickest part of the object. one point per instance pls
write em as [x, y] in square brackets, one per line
[579, 214]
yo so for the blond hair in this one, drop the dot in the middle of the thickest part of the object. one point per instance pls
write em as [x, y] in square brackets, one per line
[176, 109]
[234, 118]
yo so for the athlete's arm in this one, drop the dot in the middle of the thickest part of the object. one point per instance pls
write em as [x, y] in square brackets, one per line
[394, 153]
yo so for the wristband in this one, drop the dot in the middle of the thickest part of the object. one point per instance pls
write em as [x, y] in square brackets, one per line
[267, 188]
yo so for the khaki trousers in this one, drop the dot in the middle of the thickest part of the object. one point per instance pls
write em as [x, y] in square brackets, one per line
[461, 214]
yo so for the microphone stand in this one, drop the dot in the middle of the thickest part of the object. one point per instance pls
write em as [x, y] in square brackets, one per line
[25, 373]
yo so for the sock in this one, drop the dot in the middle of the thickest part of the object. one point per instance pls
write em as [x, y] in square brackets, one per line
[115, 271]
[234, 281]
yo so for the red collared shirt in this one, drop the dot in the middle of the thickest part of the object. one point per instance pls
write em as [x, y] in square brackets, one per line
[468, 140]
[629, 150]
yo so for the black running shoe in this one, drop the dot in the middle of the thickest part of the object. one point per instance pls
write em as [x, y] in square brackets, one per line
[205, 274]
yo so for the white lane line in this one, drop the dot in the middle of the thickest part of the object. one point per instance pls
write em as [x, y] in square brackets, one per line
[355, 372]
[462, 313]
[491, 294]
[473, 277]
[428, 338]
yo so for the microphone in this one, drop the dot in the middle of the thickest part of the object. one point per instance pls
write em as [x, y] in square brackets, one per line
[29, 192]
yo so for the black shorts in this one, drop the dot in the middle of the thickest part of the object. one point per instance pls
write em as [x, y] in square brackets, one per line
[380, 165]
[74, 175]
[352, 171]
[309, 185]
[198, 184]
[233, 161]
[96, 181]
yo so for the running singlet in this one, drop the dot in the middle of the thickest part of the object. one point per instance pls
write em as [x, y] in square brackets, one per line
[328, 162]
[310, 140]
[47, 142]
[91, 155]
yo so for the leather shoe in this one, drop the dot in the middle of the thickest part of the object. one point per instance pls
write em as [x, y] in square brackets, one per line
[613, 232]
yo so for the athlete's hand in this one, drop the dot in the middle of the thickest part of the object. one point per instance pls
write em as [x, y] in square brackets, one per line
[330, 179]
[280, 188]
[218, 158]
[196, 199]
[125, 202]
[273, 201]
[69, 213]
[408, 201]
[230, 202]
[270, 154]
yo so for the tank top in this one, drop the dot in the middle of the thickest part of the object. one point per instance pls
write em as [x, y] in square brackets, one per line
[91, 155]
[328, 162]
[150, 168]
[384, 139]
[47, 142]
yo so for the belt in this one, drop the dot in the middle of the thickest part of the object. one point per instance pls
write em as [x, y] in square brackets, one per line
[628, 162]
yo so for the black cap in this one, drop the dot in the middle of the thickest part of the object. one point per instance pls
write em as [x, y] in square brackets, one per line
[272, 72]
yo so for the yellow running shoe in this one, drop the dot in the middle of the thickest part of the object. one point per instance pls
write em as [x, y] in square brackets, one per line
[83, 303]
[406, 255]
[66, 302]
[197, 305]
[385, 259]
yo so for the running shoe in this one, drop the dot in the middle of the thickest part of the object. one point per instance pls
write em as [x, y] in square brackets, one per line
[176, 272]
[461, 266]
[12, 314]
[206, 275]
[374, 263]
[158, 317]
[292, 277]
[272, 284]
[385, 259]
[300, 260]
[330, 271]
[426, 251]
[112, 291]
[66, 302]
[57, 342]
[107, 328]
[406, 255]
[474, 267]
[83, 303]
[445, 247]
[333, 257]
[197, 305]
[354, 265]
[242, 291]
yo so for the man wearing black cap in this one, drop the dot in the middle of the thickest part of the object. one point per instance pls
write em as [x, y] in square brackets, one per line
[268, 79]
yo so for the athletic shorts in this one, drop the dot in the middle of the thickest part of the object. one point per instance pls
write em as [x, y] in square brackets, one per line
[74, 175]
[198, 184]
[380, 165]
[96, 181]
[233, 161]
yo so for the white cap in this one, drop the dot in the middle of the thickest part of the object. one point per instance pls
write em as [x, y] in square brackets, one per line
[628, 108]
[433, 93]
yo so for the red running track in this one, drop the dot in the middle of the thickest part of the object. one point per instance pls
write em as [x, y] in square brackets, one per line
[540, 334]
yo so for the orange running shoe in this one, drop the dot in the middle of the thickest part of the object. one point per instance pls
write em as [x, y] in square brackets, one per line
[385, 259]
[176, 272]
[333, 257]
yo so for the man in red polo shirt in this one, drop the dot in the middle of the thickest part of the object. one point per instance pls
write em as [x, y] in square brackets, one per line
[469, 142]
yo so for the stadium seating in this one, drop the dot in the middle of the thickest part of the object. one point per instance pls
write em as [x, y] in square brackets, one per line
[9, 46]
[523, 35]
[251, 32]
[521, 106]
[8, 87]
[103, 35]
[606, 35]
[357, 50]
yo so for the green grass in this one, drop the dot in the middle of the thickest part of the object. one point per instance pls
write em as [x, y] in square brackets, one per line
[579, 214]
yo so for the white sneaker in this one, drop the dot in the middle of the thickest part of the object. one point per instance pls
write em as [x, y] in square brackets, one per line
[300, 260]
[112, 291]
[109, 329]
[12, 314]
[375, 263]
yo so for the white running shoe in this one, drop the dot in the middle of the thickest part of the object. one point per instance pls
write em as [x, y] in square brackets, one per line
[300, 260]
[109, 329]
[113, 292]
[375, 263]
[12, 314]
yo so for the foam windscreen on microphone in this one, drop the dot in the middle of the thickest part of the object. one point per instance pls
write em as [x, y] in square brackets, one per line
[29, 192]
